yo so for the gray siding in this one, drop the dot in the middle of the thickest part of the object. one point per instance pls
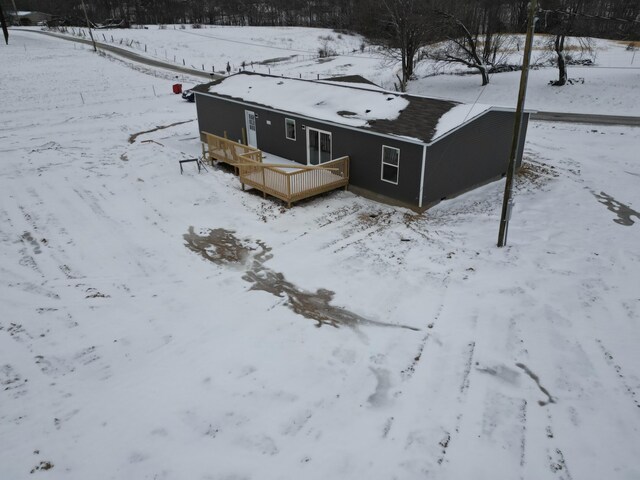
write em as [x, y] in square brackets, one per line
[365, 150]
[473, 155]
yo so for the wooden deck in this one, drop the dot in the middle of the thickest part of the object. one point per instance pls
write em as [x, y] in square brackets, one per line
[227, 151]
[289, 184]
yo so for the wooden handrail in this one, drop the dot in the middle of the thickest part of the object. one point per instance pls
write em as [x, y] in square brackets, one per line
[282, 165]
[301, 182]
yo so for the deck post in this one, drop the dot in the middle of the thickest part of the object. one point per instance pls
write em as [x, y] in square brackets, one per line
[244, 136]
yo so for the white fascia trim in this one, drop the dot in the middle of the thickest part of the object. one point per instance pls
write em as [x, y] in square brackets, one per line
[424, 157]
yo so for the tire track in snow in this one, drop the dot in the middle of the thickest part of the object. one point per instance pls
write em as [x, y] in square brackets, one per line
[609, 359]
[461, 398]
[554, 455]
[451, 435]
[409, 371]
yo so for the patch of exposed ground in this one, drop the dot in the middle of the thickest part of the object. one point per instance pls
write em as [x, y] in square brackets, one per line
[219, 246]
[223, 248]
[536, 174]
[134, 136]
[536, 379]
[44, 465]
[624, 212]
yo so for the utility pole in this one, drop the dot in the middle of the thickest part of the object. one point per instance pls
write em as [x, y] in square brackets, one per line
[3, 23]
[507, 202]
[86, 17]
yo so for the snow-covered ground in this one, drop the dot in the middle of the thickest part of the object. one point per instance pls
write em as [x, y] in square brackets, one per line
[158, 325]
[289, 51]
[611, 86]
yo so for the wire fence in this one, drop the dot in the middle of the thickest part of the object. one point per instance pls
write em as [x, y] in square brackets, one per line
[261, 66]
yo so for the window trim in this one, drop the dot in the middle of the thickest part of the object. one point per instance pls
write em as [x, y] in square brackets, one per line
[286, 130]
[383, 163]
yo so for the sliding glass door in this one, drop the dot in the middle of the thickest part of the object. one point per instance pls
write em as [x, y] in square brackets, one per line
[318, 146]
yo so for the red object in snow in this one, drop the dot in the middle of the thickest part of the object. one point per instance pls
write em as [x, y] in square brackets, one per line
[177, 88]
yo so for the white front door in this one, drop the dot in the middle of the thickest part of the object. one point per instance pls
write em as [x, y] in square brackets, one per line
[318, 146]
[252, 137]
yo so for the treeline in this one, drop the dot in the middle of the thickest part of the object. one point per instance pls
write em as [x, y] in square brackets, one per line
[602, 18]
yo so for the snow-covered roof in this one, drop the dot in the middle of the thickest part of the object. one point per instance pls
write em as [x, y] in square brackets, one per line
[348, 106]
[363, 106]
[457, 116]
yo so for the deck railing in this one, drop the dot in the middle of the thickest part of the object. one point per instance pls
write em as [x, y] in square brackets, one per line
[227, 151]
[289, 183]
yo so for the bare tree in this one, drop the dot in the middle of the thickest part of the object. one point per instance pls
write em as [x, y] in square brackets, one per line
[460, 45]
[566, 18]
[405, 32]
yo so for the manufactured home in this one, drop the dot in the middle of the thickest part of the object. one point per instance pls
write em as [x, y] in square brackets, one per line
[402, 149]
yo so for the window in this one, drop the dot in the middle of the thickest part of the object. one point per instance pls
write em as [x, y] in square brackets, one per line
[290, 128]
[390, 164]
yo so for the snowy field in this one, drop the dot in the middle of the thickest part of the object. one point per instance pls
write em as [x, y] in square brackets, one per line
[165, 326]
[610, 87]
[289, 51]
